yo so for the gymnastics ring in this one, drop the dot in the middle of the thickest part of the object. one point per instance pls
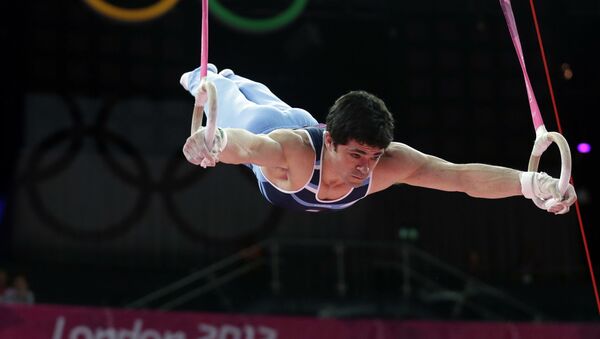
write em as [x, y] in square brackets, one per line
[542, 141]
[132, 14]
[258, 25]
[543, 138]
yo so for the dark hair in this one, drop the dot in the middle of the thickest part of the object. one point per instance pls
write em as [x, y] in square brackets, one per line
[361, 116]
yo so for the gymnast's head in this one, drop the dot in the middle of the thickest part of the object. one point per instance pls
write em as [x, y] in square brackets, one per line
[362, 117]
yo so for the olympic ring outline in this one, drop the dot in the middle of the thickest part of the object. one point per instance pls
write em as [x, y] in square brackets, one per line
[32, 177]
[141, 14]
[161, 7]
[98, 131]
[263, 25]
[268, 225]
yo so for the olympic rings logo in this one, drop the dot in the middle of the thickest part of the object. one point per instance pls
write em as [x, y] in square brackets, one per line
[137, 176]
[161, 7]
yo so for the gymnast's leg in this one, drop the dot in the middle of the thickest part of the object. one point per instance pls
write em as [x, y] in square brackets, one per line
[238, 109]
[255, 91]
[232, 105]
[288, 117]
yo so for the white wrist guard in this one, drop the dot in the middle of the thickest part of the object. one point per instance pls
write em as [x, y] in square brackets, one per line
[539, 185]
[526, 179]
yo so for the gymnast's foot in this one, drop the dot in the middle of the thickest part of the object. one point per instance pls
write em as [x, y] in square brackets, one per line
[226, 72]
[192, 77]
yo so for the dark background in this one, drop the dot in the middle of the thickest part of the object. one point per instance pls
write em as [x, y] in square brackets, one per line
[447, 70]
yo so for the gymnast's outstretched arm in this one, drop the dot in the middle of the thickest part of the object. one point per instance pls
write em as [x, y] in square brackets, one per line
[243, 147]
[404, 164]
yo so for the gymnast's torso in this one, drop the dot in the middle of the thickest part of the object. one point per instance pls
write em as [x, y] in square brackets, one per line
[307, 197]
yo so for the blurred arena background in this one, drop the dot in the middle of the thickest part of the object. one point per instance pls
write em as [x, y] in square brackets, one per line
[98, 207]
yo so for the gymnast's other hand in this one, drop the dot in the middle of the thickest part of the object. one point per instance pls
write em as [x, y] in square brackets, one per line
[544, 187]
[196, 150]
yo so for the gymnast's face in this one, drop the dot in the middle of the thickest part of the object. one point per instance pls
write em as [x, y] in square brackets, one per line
[353, 161]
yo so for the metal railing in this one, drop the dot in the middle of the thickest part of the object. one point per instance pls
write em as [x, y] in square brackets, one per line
[420, 277]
